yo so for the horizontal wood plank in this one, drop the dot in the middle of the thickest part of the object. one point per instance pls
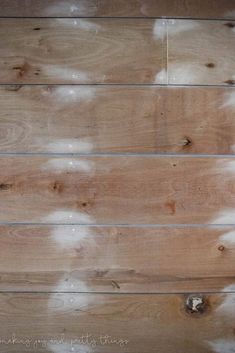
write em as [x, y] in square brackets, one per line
[130, 8]
[201, 52]
[55, 51]
[81, 50]
[95, 119]
[131, 323]
[117, 190]
[116, 259]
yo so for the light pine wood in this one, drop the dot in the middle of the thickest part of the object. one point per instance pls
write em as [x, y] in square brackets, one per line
[116, 259]
[88, 119]
[148, 323]
[130, 8]
[201, 52]
[117, 190]
[81, 50]
[116, 51]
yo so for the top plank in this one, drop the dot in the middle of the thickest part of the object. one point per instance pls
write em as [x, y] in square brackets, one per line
[116, 51]
[81, 51]
[119, 8]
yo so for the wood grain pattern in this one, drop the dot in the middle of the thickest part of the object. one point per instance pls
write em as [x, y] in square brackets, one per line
[130, 8]
[117, 190]
[148, 323]
[85, 119]
[201, 52]
[116, 259]
[80, 51]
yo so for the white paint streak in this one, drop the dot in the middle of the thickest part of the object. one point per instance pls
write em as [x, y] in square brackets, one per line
[80, 24]
[227, 307]
[180, 26]
[222, 346]
[228, 238]
[165, 28]
[184, 73]
[60, 165]
[226, 166]
[160, 29]
[229, 100]
[225, 217]
[65, 73]
[69, 146]
[68, 216]
[161, 77]
[69, 347]
[68, 237]
[65, 301]
[73, 8]
[72, 94]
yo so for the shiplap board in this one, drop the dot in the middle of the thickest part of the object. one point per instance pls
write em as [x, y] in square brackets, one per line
[135, 323]
[106, 8]
[82, 50]
[88, 119]
[117, 51]
[201, 52]
[117, 190]
[116, 259]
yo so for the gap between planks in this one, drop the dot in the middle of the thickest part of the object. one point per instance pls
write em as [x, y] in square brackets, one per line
[122, 17]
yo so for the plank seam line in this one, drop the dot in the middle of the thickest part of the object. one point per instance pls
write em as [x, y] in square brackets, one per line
[163, 85]
[120, 293]
[144, 155]
[133, 225]
[121, 18]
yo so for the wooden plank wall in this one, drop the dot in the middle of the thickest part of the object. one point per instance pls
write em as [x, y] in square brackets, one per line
[117, 176]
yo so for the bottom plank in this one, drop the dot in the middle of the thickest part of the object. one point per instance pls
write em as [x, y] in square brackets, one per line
[85, 323]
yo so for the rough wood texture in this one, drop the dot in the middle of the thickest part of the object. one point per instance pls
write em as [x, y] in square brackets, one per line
[117, 190]
[124, 8]
[84, 119]
[116, 259]
[149, 323]
[80, 51]
[201, 52]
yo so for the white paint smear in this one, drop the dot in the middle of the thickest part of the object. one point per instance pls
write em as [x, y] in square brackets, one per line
[66, 301]
[222, 346]
[227, 307]
[60, 165]
[225, 217]
[80, 24]
[68, 237]
[73, 8]
[72, 94]
[69, 146]
[183, 73]
[160, 29]
[165, 28]
[228, 238]
[229, 100]
[161, 77]
[69, 347]
[226, 165]
[180, 26]
[68, 216]
[66, 74]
